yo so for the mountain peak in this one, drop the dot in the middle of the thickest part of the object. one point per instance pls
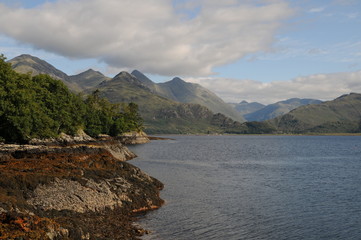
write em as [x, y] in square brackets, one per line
[127, 77]
[27, 63]
[90, 70]
[25, 56]
[123, 74]
[90, 73]
[88, 79]
[177, 79]
[142, 78]
[137, 72]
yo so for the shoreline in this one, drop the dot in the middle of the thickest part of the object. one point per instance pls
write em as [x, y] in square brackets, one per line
[256, 134]
[73, 191]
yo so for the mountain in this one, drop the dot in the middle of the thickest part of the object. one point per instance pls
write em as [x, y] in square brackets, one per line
[162, 115]
[144, 79]
[26, 63]
[245, 107]
[29, 64]
[340, 115]
[185, 92]
[88, 79]
[278, 109]
[176, 90]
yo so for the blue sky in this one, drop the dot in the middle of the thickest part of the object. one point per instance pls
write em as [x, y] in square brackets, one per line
[239, 49]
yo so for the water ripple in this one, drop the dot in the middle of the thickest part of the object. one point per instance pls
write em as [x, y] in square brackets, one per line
[255, 187]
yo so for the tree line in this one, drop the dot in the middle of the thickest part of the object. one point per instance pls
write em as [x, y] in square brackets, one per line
[43, 107]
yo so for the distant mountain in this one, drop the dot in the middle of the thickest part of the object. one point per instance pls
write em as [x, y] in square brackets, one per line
[340, 115]
[185, 92]
[162, 115]
[245, 107]
[278, 109]
[88, 79]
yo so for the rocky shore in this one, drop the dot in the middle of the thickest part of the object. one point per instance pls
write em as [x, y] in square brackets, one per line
[81, 189]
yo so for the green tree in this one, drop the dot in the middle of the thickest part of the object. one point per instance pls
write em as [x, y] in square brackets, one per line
[107, 118]
[132, 117]
[35, 107]
[100, 114]
[42, 107]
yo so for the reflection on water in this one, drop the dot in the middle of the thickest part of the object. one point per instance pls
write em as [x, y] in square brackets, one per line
[255, 187]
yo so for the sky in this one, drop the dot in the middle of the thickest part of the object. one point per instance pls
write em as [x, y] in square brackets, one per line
[254, 50]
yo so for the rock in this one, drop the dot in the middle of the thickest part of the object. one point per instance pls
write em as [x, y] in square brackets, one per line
[132, 138]
[119, 151]
[64, 194]
[80, 137]
[77, 191]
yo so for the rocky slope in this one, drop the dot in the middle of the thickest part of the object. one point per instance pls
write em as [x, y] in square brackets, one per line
[72, 191]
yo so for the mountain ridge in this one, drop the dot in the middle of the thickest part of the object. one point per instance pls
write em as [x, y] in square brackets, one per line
[181, 91]
[162, 115]
[245, 107]
[279, 108]
[176, 89]
[171, 115]
[88, 79]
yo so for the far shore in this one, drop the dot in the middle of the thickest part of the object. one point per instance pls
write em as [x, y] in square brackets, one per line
[162, 136]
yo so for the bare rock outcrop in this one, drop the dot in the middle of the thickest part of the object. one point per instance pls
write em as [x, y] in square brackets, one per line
[73, 191]
[134, 138]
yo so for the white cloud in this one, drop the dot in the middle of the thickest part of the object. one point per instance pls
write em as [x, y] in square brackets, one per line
[319, 86]
[316, 10]
[150, 34]
[352, 15]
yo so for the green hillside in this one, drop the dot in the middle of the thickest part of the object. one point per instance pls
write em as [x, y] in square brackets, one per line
[340, 115]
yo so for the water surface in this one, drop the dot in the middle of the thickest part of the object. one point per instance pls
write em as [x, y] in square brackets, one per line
[255, 187]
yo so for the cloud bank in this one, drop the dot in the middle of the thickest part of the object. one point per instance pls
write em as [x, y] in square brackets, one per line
[319, 86]
[157, 36]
